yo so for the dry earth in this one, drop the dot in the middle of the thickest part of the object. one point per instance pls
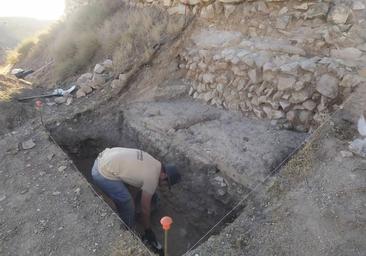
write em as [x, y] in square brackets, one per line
[313, 205]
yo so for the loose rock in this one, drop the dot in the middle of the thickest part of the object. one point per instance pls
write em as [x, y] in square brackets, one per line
[108, 64]
[80, 93]
[346, 154]
[62, 168]
[60, 100]
[99, 69]
[28, 144]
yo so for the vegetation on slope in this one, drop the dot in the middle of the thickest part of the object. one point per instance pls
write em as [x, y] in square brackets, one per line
[102, 29]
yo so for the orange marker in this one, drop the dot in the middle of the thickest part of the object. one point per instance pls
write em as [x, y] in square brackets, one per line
[166, 222]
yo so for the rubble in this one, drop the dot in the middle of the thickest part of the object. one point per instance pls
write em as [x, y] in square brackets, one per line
[89, 81]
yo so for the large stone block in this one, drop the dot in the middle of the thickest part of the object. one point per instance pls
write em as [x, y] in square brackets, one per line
[346, 53]
[328, 86]
[286, 83]
[317, 10]
[339, 14]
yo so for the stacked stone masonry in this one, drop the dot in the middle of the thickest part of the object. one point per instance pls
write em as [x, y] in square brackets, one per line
[271, 79]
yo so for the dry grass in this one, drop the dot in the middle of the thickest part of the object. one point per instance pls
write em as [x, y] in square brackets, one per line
[22, 51]
[298, 168]
[5, 69]
[8, 88]
[100, 30]
[129, 37]
[73, 53]
[126, 35]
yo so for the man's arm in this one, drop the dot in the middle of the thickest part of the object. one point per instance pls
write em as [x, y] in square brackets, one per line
[145, 208]
[149, 236]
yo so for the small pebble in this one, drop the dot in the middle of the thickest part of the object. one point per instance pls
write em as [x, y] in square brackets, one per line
[346, 154]
[68, 101]
[56, 193]
[28, 144]
[24, 191]
[77, 191]
[62, 168]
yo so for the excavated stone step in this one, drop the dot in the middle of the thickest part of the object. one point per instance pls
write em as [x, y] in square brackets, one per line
[246, 150]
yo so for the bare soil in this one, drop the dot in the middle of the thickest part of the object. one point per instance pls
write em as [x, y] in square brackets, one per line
[312, 206]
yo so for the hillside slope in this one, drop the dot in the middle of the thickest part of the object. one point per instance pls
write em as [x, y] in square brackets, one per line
[14, 29]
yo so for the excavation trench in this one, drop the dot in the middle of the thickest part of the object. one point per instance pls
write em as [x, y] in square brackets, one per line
[193, 204]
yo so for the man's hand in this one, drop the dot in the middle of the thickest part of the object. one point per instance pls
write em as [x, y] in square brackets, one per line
[150, 239]
[149, 236]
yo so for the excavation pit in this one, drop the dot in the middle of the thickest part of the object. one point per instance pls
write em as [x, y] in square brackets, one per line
[193, 204]
[221, 157]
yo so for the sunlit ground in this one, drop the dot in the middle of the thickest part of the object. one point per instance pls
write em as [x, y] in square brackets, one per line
[9, 87]
[5, 69]
[39, 9]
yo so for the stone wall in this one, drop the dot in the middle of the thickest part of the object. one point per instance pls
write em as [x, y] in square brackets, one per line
[336, 11]
[270, 78]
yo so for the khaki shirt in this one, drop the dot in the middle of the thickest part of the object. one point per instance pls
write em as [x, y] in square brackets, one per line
[134, 167]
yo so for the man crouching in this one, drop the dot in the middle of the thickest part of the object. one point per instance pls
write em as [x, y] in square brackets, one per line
[117, 167]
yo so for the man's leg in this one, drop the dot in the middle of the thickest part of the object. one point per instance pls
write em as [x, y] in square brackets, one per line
[119, 193]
